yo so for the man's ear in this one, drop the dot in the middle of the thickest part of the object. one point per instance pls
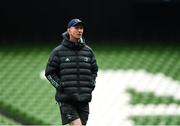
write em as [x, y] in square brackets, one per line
[68, 30]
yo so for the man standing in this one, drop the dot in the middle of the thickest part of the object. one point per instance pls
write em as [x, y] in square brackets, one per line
[72, 70]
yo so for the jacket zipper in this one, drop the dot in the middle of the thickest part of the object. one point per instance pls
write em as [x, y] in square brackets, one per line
[78, 72]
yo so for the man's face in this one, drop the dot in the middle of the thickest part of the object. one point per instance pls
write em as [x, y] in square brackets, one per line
[76, 31]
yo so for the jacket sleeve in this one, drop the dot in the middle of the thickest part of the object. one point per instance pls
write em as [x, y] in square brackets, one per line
[52, 69]
[94, 68]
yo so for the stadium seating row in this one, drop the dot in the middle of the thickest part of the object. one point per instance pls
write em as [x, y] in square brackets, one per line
[25, 94]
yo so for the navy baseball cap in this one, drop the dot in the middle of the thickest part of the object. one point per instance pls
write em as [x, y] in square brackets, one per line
[75, 22]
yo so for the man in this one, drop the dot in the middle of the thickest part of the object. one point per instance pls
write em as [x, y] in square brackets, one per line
[72, 70]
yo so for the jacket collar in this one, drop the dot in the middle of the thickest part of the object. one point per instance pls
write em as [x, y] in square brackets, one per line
[72, 45]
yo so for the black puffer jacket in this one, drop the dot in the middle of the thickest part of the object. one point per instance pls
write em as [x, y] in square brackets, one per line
[72, 70]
